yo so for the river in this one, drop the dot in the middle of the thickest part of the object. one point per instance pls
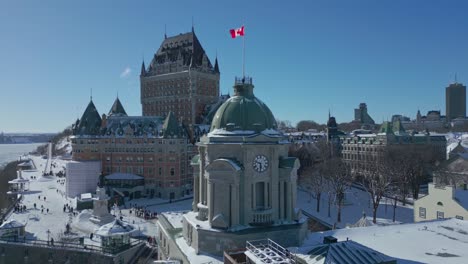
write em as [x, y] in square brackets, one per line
[11, 152]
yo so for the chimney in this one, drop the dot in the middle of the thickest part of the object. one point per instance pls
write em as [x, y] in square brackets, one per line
[329, 240]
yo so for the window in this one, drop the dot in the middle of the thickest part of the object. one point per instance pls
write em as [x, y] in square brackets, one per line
[459, 217]
[108, 158]
[260, 195]
[440, 215]
[172, 171]
[160, 171]
[422, 212]
[440, 203]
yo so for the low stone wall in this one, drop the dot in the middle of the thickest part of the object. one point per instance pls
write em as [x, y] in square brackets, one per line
[215, 242]
[11, 252]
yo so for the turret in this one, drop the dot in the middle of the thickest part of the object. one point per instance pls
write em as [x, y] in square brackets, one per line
[143, 69]
[216, 67]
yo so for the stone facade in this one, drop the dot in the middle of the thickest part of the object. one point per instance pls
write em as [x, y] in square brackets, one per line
[180, 79]
[362, 150]
[244, 183]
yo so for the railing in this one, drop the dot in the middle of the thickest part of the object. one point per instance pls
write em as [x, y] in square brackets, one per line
[202, 212]
[262, 217]
[268, 249]
[243, 80]
[72, 246]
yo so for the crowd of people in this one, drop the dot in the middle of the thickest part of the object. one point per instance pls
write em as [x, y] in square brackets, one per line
[142, 212]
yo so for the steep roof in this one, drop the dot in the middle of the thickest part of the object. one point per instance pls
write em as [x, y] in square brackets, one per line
[185, 47]
[90, 122]
[171, 126]
[386, 128]
[117, 109]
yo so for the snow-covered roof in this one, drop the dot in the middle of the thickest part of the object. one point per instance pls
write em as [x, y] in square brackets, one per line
[25, 164]
[438, 241]
[86, 196]
[345, 252]
[123, 176]
[115, 228]
[19, 180]
[11, 224]
[462, 197]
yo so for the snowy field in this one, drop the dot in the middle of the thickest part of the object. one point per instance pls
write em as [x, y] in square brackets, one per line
[356, 203]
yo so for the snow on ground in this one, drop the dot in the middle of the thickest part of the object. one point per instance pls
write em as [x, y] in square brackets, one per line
[64, 144]
[356, 203]
[441, 241]
[38, 222]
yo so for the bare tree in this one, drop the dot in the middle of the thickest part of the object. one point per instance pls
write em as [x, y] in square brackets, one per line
[377, 182]
[313, 182]
[337, 173]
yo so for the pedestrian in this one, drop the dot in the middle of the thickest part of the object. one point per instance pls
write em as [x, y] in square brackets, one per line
[44, 198]
[42, 210]
[47, 210]
[52, 241]
[91, 236]
[34, 205]
[39, 197]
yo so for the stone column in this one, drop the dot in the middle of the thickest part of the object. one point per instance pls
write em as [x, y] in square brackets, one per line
[288, 201]
[281, 200]
[196, 194]
[210, 198]
[235, 213]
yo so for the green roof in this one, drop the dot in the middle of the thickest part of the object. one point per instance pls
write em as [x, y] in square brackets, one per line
[90, 122]
[195, 160]
[171, 126]
[287, 162]
[117, 109]
[243, 112]
[386, 128]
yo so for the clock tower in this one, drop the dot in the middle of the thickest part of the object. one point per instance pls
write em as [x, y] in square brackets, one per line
[244, 181]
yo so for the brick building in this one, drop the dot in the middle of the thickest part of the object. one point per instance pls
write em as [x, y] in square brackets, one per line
[153, 147]
[181, 79]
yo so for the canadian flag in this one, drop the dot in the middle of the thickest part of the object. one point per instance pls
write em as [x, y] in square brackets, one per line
[237, 32]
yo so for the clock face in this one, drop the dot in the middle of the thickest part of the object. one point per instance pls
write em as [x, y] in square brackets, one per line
[260, 163]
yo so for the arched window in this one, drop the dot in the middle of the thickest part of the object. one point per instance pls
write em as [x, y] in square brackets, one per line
[440, 203]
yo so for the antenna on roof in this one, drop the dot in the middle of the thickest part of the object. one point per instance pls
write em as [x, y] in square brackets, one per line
[193, 30]
[456, 78]
[91, 94]
[165, 32]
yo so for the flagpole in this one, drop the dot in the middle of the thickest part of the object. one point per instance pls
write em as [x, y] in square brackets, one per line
[243, 53]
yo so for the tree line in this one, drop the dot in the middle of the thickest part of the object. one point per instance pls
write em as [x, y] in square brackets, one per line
[396, 173]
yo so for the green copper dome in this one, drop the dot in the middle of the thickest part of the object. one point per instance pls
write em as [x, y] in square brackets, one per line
[243, 111]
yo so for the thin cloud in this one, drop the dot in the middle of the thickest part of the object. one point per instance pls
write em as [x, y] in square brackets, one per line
[126, 72]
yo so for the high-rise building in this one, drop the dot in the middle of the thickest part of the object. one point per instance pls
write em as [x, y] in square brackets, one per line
[180, 79]
[361, 115]
[455, 101]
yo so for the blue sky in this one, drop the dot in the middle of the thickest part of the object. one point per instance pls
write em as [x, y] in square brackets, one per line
[305, 56]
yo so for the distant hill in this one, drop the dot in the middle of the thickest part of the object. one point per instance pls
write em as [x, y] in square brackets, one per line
[62, 145]
[23, 138]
